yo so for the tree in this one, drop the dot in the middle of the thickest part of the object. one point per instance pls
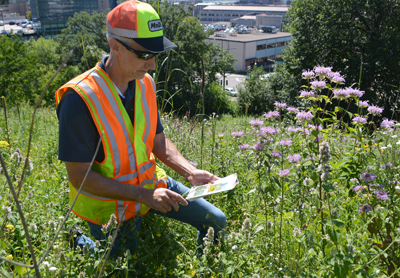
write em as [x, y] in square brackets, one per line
[179, 71]
[17, 70]
[86, 35]
[254, 94]
[359, 38]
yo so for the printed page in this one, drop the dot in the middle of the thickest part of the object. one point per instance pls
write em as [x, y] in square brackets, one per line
[221, 185]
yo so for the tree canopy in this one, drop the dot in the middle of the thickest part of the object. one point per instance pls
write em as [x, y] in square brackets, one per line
[359, 38]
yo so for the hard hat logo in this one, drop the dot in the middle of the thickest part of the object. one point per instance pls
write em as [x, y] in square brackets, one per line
[155, 25]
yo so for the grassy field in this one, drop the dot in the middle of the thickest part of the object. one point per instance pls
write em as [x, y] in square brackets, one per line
[317, 197]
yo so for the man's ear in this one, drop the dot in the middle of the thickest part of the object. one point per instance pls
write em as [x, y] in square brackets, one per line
[115, 47]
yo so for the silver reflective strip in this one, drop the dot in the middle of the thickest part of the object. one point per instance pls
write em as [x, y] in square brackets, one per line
[112, 141]
[119, 117]
[152, 82]
[121, 212]
[143, 183]
[127, 177]
[145, 167]
[122, 32]
[138, 207]
[146, 112]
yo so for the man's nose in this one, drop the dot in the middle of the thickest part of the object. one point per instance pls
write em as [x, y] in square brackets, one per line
[151, 63]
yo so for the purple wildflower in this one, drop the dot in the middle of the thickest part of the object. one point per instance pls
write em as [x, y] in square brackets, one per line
[286, 142]
[307, 94]
[358, 188]
[244, 147]
[336, 77]
[294, 158]
[308, 74]
[291, 109]
[363, 104]
[221, 135]
[322, 70]
[354, 93]
[276, 154]
[193, 163]
[315, 127]
[387, 123]
[365, 208]
[284, 173]
[280, 104]
[262, 134]
[237, 134]
[382, 195]
[294, 129]
[304, 116]
[359, 120]
[258, 147]
[271, 114]
[375, 110]
[340, 94]
[269, 130]
[367, 177]
[256, 123]
[318, 85]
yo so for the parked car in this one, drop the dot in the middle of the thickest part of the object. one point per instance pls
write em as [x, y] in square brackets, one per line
[4, 32]
[231, 92]
[20, 32]
[29, 26]
[12, 22]
[1, 22]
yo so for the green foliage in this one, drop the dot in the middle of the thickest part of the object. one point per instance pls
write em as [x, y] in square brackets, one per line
[254, 94]
[215, 100]
[17, 70]
[178, 70]
[359, 39]
[86, 36]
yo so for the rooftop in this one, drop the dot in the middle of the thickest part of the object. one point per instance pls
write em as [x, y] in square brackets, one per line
[246, 8]
[251, 37]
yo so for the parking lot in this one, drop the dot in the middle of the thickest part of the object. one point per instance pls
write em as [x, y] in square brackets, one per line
[15, 29]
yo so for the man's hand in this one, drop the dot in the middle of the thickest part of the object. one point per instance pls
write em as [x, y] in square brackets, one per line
[200, 177]
[162, 199]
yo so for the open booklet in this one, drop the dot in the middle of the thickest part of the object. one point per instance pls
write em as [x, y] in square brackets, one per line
[221, 185]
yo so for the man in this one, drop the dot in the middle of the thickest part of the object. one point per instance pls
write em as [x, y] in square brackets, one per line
[117, 99]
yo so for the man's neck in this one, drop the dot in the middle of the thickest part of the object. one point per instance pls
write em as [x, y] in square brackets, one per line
[112, 68]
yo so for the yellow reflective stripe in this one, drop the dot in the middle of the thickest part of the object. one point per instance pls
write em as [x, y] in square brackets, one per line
[93, 99]
[119, 111]
[140, 146]
[90, 208]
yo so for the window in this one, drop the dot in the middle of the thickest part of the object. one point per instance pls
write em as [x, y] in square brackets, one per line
[271, 45]
[261, 46]
[278, 44]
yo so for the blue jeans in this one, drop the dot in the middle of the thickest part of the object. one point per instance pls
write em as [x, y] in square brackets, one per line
[198, 213]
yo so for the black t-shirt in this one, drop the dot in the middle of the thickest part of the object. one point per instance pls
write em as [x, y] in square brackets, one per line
[78, 135]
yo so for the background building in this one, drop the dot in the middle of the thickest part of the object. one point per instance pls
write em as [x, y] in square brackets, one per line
[217, 13]
[262, 49]
[54, 14]
[14, 9]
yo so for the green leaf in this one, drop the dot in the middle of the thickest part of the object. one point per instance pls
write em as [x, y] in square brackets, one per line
[338, 223]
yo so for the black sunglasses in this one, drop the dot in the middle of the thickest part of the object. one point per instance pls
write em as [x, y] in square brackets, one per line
[140, 54]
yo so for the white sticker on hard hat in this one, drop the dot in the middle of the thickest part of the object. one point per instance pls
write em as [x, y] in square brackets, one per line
[155, 25]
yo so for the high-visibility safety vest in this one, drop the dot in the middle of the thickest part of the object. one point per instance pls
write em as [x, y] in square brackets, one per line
[127, 147]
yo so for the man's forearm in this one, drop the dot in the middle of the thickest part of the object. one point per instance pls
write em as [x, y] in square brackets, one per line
[103, 186]
[169, 154]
